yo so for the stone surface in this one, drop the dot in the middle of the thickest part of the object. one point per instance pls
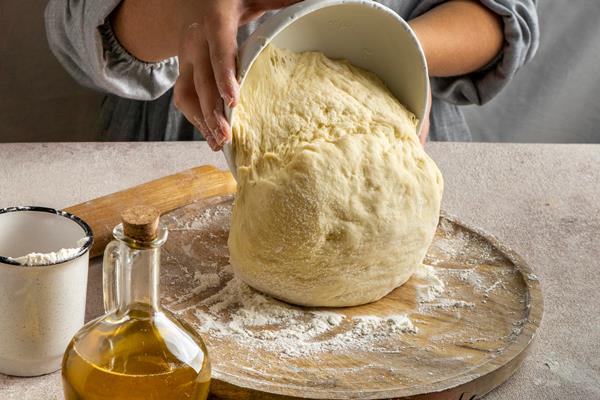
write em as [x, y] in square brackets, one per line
[541, 200]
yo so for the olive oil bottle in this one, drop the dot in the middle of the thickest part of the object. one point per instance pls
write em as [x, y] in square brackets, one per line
[137, 350]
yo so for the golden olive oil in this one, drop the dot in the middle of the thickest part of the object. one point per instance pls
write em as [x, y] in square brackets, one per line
[136, 350]
[139, 358]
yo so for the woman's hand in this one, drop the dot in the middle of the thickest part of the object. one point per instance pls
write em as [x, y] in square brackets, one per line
[203, 33]
[207, 61]
[426, 120]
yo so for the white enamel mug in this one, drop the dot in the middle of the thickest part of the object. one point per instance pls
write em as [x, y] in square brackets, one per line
[367, 34]
[41, 307]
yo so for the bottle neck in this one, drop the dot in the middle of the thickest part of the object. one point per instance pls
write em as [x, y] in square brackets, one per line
[138, 278]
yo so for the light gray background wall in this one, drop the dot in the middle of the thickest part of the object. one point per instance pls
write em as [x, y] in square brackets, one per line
[554, 99]
[38, 100]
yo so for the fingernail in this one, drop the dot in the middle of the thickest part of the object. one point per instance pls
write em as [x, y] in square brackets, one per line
[230, 92]
[227, 134]
[232, 101]
[220, 131]
[211, 142]
[227, 98]
[219, 136]
[219, 140]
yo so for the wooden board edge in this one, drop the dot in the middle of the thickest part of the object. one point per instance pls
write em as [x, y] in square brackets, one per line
[491, 374]
[166, 194]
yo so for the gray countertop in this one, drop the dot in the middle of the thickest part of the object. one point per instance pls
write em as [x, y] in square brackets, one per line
[541, 200]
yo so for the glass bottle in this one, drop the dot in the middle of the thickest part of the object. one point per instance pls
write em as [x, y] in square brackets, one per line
[137, 350]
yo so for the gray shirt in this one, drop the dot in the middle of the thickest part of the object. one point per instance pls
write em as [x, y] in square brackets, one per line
[138, 104]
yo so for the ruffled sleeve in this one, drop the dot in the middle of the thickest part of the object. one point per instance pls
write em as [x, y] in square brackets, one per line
[83, 41]
[521, 40]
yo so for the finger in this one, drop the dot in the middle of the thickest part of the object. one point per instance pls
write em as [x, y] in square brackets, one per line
[273, 4]
[186, 100]
[426, 119]
[187, 93]
[424, 131]
[256, 8]
[213, 145]
[222, 43]
[219, 115]
[208, 93]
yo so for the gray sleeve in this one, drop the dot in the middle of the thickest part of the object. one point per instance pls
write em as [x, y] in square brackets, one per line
[521, 40]
[82, 40]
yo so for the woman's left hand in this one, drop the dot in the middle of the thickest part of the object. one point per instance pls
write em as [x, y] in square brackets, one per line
[426, 120]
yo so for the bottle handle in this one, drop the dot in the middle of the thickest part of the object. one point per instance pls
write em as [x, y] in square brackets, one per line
[109, 276]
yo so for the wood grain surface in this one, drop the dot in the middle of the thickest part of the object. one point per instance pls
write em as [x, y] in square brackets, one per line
[166, 194]
[470, 339]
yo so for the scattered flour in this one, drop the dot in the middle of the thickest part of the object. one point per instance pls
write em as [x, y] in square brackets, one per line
[453, 242]
[430, 289]
[39, 259]
[467, 275]
[533, 277]
[369, 325]
[429, 286]
[201, 221]
[234, 318]
[457, 243]
[226, 309]
[448, 304]
[206, 281]
[256, 320]
[238, 312]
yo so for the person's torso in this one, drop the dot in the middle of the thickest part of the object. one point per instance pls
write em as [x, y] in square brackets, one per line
[131, 120]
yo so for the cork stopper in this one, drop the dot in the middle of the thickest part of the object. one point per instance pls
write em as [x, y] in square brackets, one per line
[141, 223]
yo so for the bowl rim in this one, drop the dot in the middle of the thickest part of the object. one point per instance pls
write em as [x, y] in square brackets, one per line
[265, 33]
[7, 261]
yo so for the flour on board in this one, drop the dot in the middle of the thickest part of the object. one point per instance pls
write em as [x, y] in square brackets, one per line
[226, 309]
[258, 320]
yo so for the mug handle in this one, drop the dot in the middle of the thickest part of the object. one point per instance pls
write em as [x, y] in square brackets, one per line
[109, 276]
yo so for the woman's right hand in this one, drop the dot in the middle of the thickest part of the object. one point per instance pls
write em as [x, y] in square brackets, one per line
[207, 61]
[203, 34]
[424, 133]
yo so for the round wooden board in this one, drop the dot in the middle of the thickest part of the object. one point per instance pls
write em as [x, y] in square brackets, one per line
[469, 339]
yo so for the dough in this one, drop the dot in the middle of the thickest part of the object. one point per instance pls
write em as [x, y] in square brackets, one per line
[337, 201]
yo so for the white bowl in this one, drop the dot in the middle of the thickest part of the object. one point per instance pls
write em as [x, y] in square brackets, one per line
[42, 307]
[367, 34]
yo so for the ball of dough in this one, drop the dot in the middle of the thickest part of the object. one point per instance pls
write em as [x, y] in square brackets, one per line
[337, 201]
